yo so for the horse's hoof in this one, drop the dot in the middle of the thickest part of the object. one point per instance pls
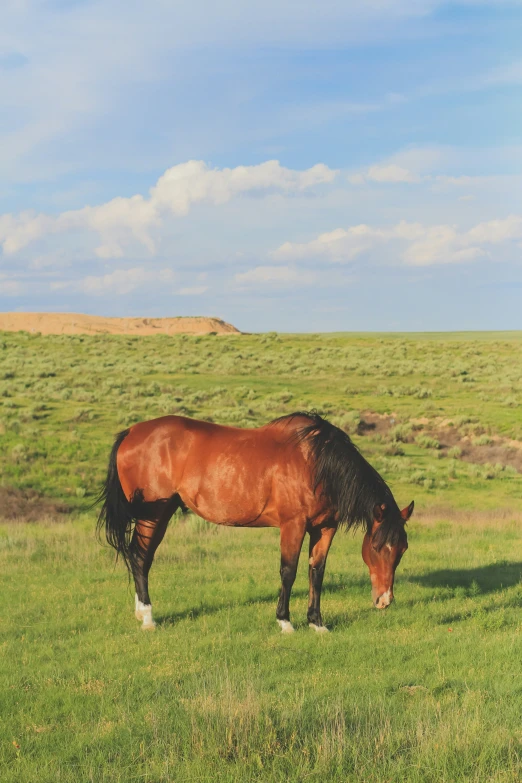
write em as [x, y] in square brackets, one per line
[149, 626]
[143, 613]
[286, 626]
[319, 628]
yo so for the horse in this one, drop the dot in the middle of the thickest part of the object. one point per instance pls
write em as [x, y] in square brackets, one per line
[299, 473]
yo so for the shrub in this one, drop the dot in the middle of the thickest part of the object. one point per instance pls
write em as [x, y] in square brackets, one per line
[455, 452]
[402, 433]
[19, 453]
[423, 394]
[482, 440]
[452, 470]
[349, 422]
[393, 450]
[425, 442]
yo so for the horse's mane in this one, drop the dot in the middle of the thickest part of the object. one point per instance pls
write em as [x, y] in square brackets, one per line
[347, 482]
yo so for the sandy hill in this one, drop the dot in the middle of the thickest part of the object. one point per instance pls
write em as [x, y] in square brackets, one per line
[76, 323]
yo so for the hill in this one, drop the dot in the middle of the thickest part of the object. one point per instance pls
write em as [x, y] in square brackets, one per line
[77, 323]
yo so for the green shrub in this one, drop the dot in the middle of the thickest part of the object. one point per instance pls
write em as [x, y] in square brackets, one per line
[482, 440]
[349, 422]
[455, 452]
[426, 442]
[394, 450]
[402, 433]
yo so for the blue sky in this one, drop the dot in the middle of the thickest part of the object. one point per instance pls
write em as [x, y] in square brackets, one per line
[287, 166]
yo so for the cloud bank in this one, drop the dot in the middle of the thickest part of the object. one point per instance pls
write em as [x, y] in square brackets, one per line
[408, 243]
[121, 221]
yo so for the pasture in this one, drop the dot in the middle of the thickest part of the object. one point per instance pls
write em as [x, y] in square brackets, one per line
[429, 690]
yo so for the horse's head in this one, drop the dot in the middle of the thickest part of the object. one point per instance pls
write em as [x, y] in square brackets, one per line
[382, 550]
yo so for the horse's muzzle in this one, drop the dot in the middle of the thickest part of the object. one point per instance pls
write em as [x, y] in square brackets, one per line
[384, 600]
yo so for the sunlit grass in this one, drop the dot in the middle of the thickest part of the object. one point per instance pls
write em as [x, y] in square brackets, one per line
[426, 691]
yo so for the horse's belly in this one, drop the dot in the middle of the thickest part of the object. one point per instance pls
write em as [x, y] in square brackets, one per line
[231, 512]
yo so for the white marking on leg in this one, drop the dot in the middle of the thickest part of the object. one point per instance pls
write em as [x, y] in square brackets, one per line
[319, 628]
[144, 612]
[286, 626]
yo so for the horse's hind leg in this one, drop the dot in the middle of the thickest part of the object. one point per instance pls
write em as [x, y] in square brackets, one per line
[292, 535]
[146, 539]
[320, 540]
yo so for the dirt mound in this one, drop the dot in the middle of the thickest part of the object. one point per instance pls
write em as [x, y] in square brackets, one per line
[501, 451]
[27, 505]
[376, 423]
[496, 450]
[76, 323]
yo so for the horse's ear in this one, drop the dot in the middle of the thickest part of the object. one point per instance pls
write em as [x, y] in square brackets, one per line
[378, 512]
[408, 511]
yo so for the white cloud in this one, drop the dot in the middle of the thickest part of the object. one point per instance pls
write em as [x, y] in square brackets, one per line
[10, 287]
[408, 243]
[412, 165]
[193, 182]
[121, 221]
[338, 245]
[196, 290]
[422, 165]
[391, 173]
[275, 276]
[356, 179]
[117, 283]
[17, 231]
[506, 74]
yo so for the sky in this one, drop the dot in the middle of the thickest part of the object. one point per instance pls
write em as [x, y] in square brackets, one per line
[285, 165]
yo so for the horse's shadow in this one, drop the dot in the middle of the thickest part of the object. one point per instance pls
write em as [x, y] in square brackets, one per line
[490, 578]
[206, 610]
[482, 580]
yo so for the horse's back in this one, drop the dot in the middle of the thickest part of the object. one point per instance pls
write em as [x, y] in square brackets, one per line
[178, 428]
[226, 474]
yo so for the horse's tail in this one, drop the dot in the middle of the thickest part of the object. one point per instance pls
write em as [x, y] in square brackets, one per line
[117, 514]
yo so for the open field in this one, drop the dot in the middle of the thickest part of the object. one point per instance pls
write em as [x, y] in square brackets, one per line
[428, 691]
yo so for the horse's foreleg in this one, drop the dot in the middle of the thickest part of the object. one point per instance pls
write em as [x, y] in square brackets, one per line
[292, 535]
[320, 540]
[145, 540]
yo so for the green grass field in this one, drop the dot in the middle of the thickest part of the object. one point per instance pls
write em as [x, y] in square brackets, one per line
[429, 690]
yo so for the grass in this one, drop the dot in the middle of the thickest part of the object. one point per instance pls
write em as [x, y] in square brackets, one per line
[428, 691]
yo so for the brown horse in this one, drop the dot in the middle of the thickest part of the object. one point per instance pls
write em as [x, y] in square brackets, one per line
[299, 473]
